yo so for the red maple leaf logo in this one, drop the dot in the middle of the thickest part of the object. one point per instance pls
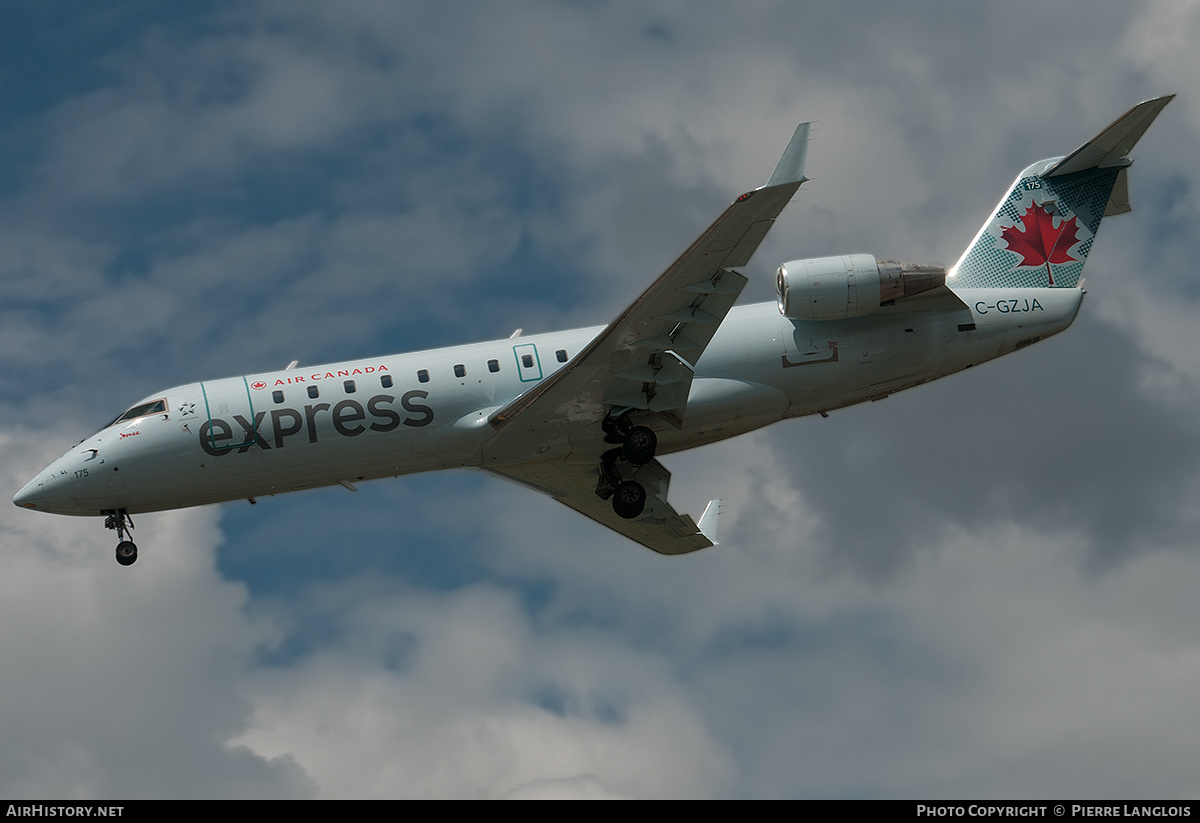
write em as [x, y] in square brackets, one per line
[1040, 243]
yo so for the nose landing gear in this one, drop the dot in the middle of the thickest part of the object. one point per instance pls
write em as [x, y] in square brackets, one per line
[123, 524]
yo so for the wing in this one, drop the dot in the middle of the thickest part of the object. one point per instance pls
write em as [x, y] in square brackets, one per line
[645, 358]
[659, 527]
[642, 362]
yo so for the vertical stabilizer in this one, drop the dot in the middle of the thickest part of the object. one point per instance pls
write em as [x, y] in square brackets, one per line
[1042, 231]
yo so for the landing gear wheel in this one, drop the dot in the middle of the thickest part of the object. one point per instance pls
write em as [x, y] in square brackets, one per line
[629, 499]
[119, 521]
[639, 446]
[126, 552]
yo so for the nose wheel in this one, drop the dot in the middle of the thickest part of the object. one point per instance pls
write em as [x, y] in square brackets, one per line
[122, 523]
[126, 552]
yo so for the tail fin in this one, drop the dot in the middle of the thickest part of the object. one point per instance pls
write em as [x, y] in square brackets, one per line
[1043, 229]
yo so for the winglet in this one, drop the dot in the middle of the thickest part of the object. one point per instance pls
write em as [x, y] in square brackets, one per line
[790, 168]
[708, 520]
[1110, 146]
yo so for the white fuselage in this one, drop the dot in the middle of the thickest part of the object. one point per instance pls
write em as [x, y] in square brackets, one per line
[301, 428]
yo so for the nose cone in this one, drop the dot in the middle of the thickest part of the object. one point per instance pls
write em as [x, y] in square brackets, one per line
[29, 496]
[72, 484]
[51, 491]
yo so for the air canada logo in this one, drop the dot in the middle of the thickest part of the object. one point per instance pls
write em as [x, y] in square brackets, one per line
[1039, 241]
[258, 384]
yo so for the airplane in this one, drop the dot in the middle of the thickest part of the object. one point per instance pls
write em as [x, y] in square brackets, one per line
[584, 415]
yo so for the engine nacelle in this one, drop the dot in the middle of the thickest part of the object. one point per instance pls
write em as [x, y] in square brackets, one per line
[852, 285]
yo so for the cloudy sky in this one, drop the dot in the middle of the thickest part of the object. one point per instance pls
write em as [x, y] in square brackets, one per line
[982, 587]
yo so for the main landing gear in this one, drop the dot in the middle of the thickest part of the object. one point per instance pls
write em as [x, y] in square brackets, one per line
[123, 524]
[637, 447]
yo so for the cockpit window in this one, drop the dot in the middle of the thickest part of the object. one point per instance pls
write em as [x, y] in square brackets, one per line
[153, 407]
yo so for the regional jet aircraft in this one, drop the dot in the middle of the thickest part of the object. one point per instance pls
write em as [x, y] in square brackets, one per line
[584, 415]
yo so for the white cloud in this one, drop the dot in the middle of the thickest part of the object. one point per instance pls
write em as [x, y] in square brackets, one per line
[988, 665]
[1159, 42]
[462, 695]
[118, 683]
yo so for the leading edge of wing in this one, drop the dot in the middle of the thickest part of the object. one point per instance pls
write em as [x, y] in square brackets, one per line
[659, 527]
[678, 313]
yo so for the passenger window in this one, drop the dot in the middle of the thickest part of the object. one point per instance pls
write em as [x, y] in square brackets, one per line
[385, 380]
[313, 392]
[460, 370]
[493, 365]
[423, 376]
[527, 361]
[349, 386]
[561, 354]
[277, 396]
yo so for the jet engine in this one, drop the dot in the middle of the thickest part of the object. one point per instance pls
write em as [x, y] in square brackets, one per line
[852, 285]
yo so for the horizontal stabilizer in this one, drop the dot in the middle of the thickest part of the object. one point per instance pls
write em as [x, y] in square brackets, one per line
[1110, 146]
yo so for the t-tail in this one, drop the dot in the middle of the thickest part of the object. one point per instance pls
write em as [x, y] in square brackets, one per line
[1042, 231]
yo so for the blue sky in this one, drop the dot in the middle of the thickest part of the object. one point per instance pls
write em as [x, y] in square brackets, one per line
[981, 587]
